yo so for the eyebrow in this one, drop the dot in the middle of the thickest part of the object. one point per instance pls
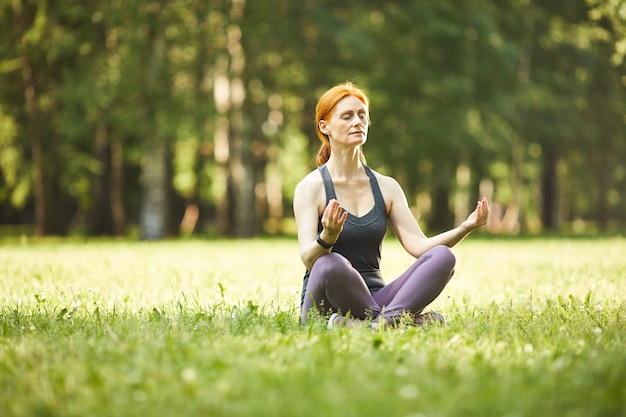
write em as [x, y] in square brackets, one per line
[352, 111]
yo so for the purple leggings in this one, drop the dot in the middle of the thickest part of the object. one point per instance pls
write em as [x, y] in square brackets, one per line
[334, 285]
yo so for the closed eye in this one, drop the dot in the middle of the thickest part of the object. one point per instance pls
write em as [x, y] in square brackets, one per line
[361, 115]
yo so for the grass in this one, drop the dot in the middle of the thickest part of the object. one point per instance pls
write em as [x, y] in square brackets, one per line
[210, 328]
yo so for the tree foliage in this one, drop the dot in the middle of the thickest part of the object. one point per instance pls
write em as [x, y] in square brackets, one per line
[196, 116]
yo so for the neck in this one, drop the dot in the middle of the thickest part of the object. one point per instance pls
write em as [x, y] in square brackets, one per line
[346, 164]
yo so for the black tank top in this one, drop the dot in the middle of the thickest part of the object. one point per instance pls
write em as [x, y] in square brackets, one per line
[361, 238]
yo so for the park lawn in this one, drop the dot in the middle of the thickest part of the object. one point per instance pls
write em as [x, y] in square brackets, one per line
[211, 328]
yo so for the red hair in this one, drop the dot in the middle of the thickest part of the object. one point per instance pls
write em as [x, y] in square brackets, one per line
[325, 107]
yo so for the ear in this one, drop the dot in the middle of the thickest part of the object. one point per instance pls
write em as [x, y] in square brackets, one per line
[323, 127]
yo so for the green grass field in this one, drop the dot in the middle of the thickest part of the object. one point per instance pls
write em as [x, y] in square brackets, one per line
[210, 328]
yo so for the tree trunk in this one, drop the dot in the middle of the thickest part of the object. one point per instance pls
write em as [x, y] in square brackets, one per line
[222, 157]
[100, 219]
[549, 190]
[511, 219]
[116, 201]
[153, 213]
[603, 176]
[442, 217]
[241, 178]
[462, 195]
[154, 175]
[274, 193]
[30, 93]
[57, 219]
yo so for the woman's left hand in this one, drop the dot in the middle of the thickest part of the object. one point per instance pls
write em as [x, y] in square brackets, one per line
[479, 217]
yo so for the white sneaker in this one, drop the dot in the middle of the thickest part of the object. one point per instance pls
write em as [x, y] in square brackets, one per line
[331, 320]
[337, 320]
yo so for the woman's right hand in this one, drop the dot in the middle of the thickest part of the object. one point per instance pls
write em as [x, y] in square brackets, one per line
[333, 218]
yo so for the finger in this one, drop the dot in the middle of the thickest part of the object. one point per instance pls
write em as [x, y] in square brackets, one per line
[337, 212]
[483, 203]
[327, 216]
[330, 207]
[343, 218]
[326, 213]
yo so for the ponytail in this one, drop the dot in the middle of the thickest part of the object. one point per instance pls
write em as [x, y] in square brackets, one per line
[323, 155]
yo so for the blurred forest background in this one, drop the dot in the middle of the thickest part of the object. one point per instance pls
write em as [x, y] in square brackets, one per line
[166, 118]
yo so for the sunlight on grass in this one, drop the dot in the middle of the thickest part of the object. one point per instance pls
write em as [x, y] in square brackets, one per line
[141, 275]
[536, 328]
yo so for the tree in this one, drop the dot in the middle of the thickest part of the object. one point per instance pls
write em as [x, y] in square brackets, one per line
[194, 116]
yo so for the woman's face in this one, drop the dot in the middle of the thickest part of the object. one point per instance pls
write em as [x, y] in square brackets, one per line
[348, 123]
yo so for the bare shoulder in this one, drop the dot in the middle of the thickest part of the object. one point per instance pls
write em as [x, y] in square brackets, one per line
[391, 190]
[310, 191]
[388, 185]
[311, 183]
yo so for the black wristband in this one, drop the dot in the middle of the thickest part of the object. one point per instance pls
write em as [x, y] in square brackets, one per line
[322, 243]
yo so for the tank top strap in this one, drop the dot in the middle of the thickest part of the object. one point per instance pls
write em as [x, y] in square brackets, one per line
[378, 195]
[328, 183]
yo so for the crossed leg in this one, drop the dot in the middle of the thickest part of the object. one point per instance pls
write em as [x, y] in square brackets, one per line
[334, 285]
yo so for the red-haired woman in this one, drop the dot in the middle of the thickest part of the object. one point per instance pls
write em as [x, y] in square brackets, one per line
[342, 210]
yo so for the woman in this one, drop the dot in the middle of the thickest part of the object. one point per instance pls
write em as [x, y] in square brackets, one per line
[342, 210]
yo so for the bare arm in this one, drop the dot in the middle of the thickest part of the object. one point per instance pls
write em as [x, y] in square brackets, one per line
[307, 203]
[408, 230]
